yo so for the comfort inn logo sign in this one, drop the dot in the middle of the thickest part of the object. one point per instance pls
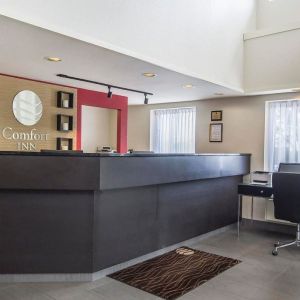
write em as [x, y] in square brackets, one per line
[28, 110]
[26, 141]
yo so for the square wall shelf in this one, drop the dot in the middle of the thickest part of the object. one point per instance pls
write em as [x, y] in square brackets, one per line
[65, 100]
[64, 144]
[64, 123]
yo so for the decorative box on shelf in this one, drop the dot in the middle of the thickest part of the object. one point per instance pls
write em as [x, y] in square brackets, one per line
[64, 123]
[64, 144]
[65, 100]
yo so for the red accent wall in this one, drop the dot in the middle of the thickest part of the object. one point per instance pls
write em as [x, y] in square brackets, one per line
[99, 99]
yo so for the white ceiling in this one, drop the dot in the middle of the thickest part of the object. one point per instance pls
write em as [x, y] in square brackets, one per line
[23, 48]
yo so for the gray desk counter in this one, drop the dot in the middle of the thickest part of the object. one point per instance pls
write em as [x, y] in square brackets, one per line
[83, 213]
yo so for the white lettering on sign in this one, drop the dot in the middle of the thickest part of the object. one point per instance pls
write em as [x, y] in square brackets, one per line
[9, 134]
[22, 138]
[26, 146]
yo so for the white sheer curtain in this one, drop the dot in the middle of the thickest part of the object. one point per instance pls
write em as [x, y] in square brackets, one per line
[282, 133]
[173, 130]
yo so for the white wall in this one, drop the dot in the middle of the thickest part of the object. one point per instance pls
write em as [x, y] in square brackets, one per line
[99, 128]
[277, 13]
[272, 59]
[201, 38]
[272, 62]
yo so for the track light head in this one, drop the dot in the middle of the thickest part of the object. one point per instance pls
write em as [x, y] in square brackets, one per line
[109, 93]
[146, 99]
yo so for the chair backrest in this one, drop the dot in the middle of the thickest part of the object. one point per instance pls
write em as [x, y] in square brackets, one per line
[286, 192]
[289, 167]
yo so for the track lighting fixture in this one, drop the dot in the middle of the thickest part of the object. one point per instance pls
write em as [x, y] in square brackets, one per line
[109, 86]
[146, 99]
[109, 94]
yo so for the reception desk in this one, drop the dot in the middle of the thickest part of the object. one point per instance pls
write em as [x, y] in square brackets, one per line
[64, 213]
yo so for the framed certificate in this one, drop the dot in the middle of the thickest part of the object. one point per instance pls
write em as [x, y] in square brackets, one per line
[216, 115]
[216, 132]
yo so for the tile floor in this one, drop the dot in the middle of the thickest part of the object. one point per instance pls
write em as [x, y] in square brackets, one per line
[260, 276]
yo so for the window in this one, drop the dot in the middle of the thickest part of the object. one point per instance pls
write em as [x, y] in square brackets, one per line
[282, 142]
[173, 130]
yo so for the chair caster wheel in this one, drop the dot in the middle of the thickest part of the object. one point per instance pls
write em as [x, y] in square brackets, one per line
[275, 252]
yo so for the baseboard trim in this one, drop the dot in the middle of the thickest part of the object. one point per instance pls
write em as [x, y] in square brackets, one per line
[85, 277]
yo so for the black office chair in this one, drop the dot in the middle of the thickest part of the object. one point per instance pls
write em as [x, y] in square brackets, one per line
[289, 167]
[286, 193]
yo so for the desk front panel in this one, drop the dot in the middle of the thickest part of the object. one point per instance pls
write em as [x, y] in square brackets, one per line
[255, 190]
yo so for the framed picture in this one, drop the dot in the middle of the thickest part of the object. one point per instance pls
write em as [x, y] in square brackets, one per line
[216, 115]
[216, 132]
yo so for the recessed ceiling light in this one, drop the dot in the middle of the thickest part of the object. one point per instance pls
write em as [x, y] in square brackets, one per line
[219, 94]
[188, 86]
[149, 74]
[53, 59]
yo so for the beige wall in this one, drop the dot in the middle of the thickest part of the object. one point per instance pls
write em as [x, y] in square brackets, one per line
[244, 123]
[243, 119]
[99, 128]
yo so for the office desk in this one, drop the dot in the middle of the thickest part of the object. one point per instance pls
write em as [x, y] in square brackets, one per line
[252, 190]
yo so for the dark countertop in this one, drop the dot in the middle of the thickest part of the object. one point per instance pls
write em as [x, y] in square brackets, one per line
[81, 154]
[96, 171]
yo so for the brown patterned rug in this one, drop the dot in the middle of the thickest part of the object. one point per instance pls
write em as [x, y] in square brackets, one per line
[175, 273]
